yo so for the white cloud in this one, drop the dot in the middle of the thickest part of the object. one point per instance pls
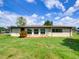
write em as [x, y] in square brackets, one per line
[51, 3]
[42, 17]
[33, 19]
[57, 17]
[77, 4]
[48, 14]
[30, 1]
[34, 15]
[1, 3]
[69, 21]
[9, 19]
[73, 9]
[58, 23]
[66, 1]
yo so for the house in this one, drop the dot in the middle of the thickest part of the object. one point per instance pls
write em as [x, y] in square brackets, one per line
[43, 31]
[2, 30]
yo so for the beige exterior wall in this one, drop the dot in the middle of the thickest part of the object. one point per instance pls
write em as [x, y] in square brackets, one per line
[64, 34]
[48, 33]
[15, 34]
[15, 30]
[36, 35]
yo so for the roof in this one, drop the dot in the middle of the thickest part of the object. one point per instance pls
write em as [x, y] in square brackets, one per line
[44, 27]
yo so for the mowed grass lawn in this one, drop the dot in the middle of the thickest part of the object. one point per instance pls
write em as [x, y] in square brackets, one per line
[39, 48]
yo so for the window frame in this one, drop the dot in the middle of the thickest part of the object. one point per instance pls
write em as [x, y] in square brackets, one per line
[30, 32]
[57, 30]
[42, 32]
[36, 32]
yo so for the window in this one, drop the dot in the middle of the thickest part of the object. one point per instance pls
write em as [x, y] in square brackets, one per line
[36, 31]
[42, 31]
[56, 30]
[29, 31]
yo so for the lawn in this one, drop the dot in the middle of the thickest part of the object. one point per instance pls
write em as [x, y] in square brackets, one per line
[39, 48]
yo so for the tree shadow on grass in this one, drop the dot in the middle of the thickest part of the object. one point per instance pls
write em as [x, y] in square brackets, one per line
[71, 43]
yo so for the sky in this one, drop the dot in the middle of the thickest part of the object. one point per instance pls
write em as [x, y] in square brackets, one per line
[36, 12]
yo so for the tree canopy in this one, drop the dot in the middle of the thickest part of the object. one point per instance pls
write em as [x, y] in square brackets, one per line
[48, 23]
[21, 22]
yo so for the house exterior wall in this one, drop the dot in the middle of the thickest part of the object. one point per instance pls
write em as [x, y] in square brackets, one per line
[36, 35]
[15, 30]
[15, 34]
[64, 34]
[67, 32]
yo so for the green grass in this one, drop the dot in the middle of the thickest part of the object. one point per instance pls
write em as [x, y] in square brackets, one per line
[39, 48]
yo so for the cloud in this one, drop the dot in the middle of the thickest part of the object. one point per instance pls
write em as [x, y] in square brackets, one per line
[72, 9]
[34, 15]
[51, 3]
[30, 1]
[1, 3]
[9, 19]
[69, 21]
[66, 21]
[66, 1]
[48, 14]
[34, 19]
[42, 17]
[76, 4]
[57, 17]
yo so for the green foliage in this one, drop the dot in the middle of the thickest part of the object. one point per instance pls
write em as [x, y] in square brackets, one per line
[2, 28]
[48, 23]
[21, 22]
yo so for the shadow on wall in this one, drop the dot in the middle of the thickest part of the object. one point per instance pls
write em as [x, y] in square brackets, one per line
[71, 43]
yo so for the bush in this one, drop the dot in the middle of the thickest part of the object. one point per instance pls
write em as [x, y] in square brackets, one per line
[23, 34]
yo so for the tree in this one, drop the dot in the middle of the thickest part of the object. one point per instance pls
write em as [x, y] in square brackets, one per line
[48, 23]
[21, 22]
[2, 29]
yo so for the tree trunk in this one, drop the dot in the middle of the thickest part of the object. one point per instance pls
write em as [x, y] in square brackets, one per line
[23, 33]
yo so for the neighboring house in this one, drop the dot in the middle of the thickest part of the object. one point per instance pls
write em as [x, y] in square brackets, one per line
[77, 30]
[2, 30]
[43, 31]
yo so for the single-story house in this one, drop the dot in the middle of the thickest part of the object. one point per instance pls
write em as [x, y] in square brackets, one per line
[43, 31]
[3, 30]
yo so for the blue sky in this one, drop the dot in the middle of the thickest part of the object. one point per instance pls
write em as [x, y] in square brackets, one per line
[61, 12]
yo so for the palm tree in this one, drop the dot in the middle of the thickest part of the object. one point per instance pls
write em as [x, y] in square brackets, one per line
[21, 22]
